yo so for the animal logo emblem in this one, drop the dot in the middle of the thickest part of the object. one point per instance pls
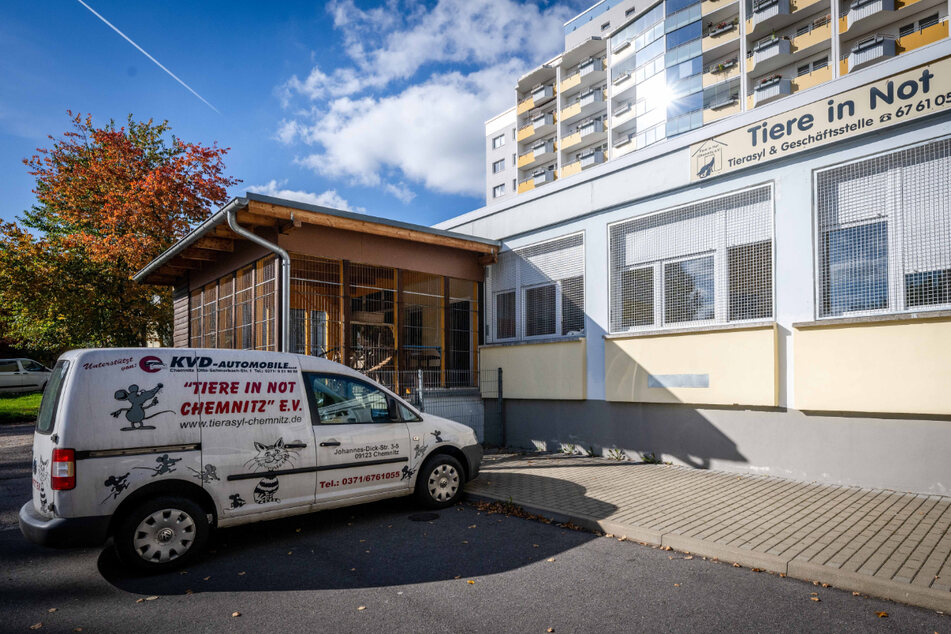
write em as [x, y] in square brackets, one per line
[407, 473]
[165, 465]
[117, 484]
[420, 450]
[206, 475]
[42, 469]
[151, 364]
[236, 500]
[43, 500]
[438, 435]
[137, 399]
[707, 168]
[269, 458]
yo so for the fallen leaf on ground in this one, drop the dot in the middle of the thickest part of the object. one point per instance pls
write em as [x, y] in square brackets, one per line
[736, 565]
[139, 600]
[815, 594]
[470, 582]
[77, 629]
[457, 576]
[534, 545]
[291, 552]
[36, 626]
[362, 540]
[676, 585]
[234, 614]
[609, 534]
[782, 575]
[473, 526]
[856, 594]
[666, 548]
[297, 530]
[817, 599]
[464, 542]
[151, 598]
[551, 629]
[189, 592]
[881, 615]
[361, 608]
[825, 585]
[689, 557]
[353, 570]
[241, 574]
[622, 538]
[550, 559]
[51, 610]
[208, 577]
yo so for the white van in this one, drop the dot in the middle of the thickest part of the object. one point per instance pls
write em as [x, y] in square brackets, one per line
[155, 447]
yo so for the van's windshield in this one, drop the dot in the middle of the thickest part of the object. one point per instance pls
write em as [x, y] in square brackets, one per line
[47, 415]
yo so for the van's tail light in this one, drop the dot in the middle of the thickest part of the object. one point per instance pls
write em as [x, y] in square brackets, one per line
[63, 473]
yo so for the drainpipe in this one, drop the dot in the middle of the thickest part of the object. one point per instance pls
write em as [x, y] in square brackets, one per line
[232, 215]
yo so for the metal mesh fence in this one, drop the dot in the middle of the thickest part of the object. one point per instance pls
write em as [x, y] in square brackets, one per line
[884, 233]
[707, 262]
[316, 307]
[537, 291]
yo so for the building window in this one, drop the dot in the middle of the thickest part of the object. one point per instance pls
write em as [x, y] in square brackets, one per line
[705, 263]
[906, 29]
[538, 290]
[498, 141]
[498, 190]
[605, 26]
[498, 166]
[884, 233]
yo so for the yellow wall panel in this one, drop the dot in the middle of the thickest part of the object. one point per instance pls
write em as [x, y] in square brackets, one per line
[727, 367]
[553, 370]
[897, 367]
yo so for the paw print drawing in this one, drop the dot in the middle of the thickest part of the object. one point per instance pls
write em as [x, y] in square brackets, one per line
[135, 413]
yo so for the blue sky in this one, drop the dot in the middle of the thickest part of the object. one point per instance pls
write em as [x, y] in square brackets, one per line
[375, 107]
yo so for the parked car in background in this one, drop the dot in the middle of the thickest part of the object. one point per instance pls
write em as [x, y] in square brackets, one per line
[22, 375]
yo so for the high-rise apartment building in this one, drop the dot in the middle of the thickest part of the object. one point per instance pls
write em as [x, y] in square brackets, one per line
[632, 74]
[500, 157]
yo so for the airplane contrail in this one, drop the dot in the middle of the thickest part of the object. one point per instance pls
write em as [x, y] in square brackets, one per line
[142, 50]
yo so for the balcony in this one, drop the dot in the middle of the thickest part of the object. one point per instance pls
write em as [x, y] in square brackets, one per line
[765, 10]
[709, 6]
[923, 37]
[586, 160]
[819, 34]
[541, 152]
[540, 124]
[542, 177]
[587, 72]
[585, 133]
[724, 108]
[722, 71]
[526, 186]
[870, 52]
[721, 34]
[623, 112]
[861, 9]
[799, 5]
[814, 78]
[538, 96]
[587, 103]
[770, 89]
[623, 82]
[769, 49]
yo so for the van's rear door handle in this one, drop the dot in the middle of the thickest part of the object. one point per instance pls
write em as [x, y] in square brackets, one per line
[330, 443]
[296, 445]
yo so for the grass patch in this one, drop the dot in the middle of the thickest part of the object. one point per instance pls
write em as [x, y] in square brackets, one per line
[19, 408]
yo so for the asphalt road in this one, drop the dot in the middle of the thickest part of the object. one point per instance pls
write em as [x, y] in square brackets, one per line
[316, 572]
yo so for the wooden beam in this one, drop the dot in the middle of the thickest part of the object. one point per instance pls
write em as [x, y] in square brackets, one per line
[254, 219]
[198, 254]
[365, 226]
[486, 260]
[214, 244]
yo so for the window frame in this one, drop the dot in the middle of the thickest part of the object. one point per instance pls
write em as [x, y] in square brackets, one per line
[896, 279]
[392, 401]
[721, 274]
[498, 141]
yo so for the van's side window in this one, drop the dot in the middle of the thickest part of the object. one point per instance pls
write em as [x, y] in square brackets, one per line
[340, 400]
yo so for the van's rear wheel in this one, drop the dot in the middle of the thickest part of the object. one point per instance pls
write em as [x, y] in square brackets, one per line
[439, 483]
[162, 534]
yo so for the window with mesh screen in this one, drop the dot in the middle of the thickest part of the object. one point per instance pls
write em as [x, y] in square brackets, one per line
[884, 233]
[195, 321]
[708, 262]
[537, 291]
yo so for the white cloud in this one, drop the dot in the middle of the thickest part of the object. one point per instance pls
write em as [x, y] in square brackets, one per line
[462, 57]
[329, 198]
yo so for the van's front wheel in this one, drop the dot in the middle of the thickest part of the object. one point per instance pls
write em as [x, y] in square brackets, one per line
[439, 483]
[161, 534]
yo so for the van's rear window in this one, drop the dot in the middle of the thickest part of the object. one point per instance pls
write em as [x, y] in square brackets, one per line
[50, 402]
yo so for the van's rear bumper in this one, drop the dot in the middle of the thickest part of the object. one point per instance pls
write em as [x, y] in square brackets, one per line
[62, 532]
[473, 454]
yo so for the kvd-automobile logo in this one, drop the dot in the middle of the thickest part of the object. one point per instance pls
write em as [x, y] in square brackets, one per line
[151, 364]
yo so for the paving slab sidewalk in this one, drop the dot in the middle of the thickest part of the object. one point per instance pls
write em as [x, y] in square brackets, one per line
[884, 543]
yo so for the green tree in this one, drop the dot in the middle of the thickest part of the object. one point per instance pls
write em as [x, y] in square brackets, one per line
[109, 200]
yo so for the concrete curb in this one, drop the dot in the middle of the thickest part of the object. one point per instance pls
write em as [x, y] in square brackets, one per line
[805, 571]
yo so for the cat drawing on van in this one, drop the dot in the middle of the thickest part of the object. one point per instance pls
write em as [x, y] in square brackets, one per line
[269, 458]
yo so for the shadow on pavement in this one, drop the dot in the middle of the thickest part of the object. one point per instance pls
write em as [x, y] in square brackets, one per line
[365, 546]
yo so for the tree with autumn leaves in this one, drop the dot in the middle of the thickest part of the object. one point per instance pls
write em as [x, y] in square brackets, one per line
[109, 200]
